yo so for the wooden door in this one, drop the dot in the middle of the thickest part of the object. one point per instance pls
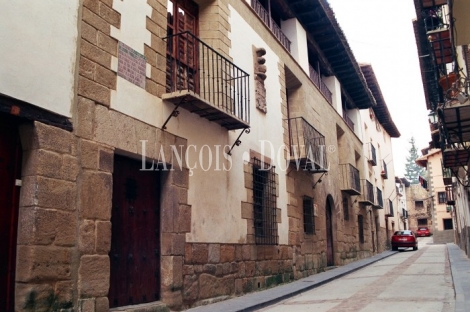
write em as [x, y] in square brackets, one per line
[182, 49]
[329, 233]
[10, 164]
[135, 242]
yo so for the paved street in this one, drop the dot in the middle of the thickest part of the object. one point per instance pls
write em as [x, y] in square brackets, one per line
[407, 281]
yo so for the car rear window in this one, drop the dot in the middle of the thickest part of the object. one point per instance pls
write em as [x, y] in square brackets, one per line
[404, 232]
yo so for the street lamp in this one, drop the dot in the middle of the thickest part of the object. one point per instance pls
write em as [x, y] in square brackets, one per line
[432, 117]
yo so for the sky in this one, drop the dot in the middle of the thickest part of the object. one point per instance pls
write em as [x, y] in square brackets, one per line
[383, 36]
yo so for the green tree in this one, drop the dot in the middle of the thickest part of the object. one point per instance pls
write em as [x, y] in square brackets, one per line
[413, 171]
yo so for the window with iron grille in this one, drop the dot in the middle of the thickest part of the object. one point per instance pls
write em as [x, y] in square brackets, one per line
[360, 223]
[419, 204]
[309, 218]
[441, 197]
[346, 208]
[264, 207]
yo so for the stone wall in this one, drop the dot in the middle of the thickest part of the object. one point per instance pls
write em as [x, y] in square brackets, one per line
[47, 223]
[214, 272]
[442, 237]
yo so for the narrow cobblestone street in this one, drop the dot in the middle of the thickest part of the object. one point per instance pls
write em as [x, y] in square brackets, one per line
[407, 281]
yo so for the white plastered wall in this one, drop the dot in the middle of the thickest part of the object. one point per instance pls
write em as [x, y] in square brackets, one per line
[38, 52]
[298, 37]
[128, 98]
[335, 87]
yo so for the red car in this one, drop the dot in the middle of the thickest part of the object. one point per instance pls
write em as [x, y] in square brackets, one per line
[423, 231]
[404, 238]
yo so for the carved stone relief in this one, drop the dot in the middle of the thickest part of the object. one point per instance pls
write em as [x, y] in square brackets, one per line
[260, 77]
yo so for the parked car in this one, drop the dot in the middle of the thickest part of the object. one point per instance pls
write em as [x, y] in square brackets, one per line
[423, 231]
[404, 238]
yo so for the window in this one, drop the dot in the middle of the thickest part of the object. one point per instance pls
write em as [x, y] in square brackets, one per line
[360, 223]
[441, 196]
[448, 224]
[264, 206]
[309, 218]
[422, 221]
[346, 208]
[419, 204]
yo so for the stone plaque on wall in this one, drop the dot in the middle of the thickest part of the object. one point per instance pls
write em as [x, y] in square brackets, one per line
[131, 65]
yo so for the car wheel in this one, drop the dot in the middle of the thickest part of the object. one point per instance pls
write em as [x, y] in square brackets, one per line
[394, 248]
[415, 248]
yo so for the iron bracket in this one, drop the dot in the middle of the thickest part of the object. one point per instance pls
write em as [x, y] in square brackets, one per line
[319, 179]
[174, 113]
[237, 141]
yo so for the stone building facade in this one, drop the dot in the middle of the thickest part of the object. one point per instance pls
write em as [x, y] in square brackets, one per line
[144, 174]
[419, 207]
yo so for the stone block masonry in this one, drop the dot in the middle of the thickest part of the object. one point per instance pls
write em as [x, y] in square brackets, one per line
[47, 219]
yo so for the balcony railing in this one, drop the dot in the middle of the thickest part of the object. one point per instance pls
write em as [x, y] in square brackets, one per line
[384, 172]
[204, 82]
[367, 191]
[266, 18]
[389, 209]
[318, 82]
[348, 121]
[404, 213]
[372, 155]
[446, 176]
[350, 181]
[380, 201]
[307, 146]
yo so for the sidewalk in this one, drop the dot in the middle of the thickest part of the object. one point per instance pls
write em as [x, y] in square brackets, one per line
[260, 299]
[460, 268]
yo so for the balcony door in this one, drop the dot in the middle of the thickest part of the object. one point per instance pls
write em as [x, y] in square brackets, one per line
[10, 164]
[182, 48]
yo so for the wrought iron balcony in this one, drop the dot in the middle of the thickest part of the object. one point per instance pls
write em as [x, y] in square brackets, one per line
[404, 213]
[384, 172]
[204, 82]
[350, 181]
[372, 155]
[455, 119]
[455, 156]
[450, 195]
[367, 191]
[318, 82]
[446, 175]
[432, 3]
[348, 121]
[380, 201]
[389, 209]
[307, 146]
[266, 18]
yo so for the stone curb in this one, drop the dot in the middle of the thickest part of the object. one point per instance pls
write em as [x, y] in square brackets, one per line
[460, 269]
[258, 300]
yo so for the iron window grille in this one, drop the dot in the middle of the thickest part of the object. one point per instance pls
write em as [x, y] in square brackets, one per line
[442, 197]
[360, 223]
[419, 204]
[309, 217]
[264, 207]
[346, 208]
